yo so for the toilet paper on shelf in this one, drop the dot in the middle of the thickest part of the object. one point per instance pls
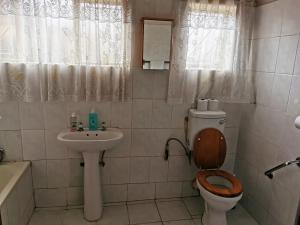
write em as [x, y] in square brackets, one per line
[297, 122]
[202, 104]
[213, 105]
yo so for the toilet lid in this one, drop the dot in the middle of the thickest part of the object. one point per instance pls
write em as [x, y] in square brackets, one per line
[209, 149]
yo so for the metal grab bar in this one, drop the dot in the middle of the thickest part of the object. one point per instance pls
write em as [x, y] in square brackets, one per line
[269, 173]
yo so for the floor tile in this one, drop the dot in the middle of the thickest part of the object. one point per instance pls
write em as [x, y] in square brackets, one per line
[114, 215]
[195, 205]
[47, 217]
[180, 222]
[75, 217]
[172, 210]
[241, 219]
[143, 213]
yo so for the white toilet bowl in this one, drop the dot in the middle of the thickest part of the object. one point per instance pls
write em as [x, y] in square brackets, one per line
[216, 206]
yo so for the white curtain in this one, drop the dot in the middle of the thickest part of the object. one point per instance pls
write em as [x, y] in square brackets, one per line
[65, 50]
[211, 50]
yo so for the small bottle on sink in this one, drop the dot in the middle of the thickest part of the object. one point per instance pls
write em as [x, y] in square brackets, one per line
[73, 122]
[93, 120]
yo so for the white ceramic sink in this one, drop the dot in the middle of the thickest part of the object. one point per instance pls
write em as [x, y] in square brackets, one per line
[91, 144]
[91, 141]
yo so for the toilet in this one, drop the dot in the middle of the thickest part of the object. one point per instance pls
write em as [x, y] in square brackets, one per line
[220, 190]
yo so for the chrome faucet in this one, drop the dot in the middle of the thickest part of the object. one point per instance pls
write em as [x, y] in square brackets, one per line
[2, 153]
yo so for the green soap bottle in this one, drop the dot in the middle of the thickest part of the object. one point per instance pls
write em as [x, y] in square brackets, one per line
[93, 120]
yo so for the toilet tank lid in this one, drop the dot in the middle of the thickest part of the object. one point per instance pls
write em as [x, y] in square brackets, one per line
[207, 114]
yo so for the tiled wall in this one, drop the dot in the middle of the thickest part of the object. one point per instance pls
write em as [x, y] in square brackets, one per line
[267, 133]
[135, 170]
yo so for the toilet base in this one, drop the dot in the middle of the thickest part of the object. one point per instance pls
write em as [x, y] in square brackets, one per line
[213, 217]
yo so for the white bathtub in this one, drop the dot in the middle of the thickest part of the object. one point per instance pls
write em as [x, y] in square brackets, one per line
[16, 193]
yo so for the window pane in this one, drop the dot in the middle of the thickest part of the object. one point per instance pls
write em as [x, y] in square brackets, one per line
[211, 39]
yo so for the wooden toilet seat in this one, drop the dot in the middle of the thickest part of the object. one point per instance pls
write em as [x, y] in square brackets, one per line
[234, 191]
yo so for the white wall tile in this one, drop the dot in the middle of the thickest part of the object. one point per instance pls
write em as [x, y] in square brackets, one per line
[149, 142]
[297, 63]
[179, 169]
[265, 54]
[55, 116]
[264, 84]
[231, 135]
[179, 112]
[287, 54]
[54, 148]
[57, 173]
[39, 173]
[142, 84]
[12, 144]
[141, 191]
[158, 169]
[268, 20]
[33, 144]
[32, 116]
[9, 116]
[115, 193]
[50, 197]
[121, 115]
[139, 169]
[75, 196]
[280, 92]
[75, 173]
[282, 204]
[123, 148]
[141, 142]
[162, 114]
[160, 83]
[291, 20]
[141, 113]
[294, 99]
[119, 170]
[105, 171]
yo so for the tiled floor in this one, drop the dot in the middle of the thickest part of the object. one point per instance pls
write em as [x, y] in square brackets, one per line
[186, 211]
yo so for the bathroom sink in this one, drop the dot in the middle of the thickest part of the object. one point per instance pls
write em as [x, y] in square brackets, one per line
[91, 144]
[91, 141]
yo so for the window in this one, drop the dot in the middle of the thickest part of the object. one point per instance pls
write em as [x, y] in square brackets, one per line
[211, 37]
[66, 32]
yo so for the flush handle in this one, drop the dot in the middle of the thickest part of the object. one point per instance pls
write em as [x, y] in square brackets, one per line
[221, 122]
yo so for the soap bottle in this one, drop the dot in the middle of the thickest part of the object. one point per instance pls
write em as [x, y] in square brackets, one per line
[93, 120]
[73, 122]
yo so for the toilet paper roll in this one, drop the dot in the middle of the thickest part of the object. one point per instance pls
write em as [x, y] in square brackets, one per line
[297, 122]
[202, 104]
[213, 105]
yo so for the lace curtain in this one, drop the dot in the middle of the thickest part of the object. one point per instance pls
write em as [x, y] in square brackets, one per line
[211, 49]
[64, 50]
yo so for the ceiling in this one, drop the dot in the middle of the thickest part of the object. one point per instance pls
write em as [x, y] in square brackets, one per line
[262, 2]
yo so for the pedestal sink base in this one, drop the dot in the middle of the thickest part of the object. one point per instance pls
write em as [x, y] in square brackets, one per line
[91, 144]
[93, 204]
